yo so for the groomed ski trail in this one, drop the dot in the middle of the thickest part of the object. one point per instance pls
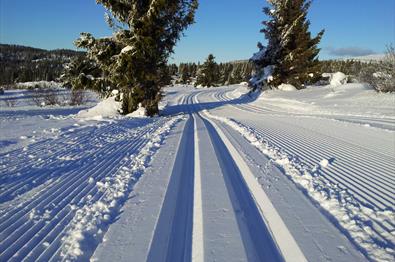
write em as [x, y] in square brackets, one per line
[73, 188]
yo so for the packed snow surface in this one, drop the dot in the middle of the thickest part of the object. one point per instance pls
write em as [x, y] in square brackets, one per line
[198, 181]
[286, 87]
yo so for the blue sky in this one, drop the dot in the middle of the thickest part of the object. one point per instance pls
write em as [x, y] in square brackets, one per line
[227, 28]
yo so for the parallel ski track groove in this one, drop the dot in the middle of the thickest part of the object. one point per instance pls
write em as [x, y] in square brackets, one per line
[223, 96]
[251, 108]
[296, 144]
[22, 238]
[345, 172]
[292, 143]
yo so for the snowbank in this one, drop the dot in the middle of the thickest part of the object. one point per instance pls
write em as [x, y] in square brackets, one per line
[263, 76]
[40, 84]
[351, 99]
[239, 91]
[108, 108]
[336, 79]
[141, 112]
[286, 87]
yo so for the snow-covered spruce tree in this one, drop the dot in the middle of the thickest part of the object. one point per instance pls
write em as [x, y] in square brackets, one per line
[208, 74]
[134, 59]
[291, 53]
[185, 74]
[83, 73]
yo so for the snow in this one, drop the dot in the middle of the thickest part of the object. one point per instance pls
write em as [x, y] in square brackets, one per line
[335, 180]
[141, 112]
[78, 180]
[197, 230]
[286, 87]
[126, 49]
[41, 84]
[260, 78]
[338, 79]
[220, 174]
[324, 163]
[108, 108]
[285, 241]
[350, 102]
[240, 90]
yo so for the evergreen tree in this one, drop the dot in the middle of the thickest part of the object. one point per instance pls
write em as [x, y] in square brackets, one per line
[134, 59]
[291, 53]
[208, 74]
[185, 75]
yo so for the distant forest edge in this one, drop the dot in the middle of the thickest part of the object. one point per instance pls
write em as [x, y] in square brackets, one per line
[25, 64]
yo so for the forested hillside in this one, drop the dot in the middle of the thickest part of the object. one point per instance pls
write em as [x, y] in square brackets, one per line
[23, 64]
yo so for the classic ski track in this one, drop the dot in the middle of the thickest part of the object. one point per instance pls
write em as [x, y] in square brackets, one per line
[167, 235]
[21, 238]
[289, 251]
[172, 238]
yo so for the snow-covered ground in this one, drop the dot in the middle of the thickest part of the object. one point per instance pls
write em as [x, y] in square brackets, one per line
[221, 175]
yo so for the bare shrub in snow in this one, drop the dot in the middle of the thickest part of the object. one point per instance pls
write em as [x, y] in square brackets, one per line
[77, 97]
[10, 102]
[36, 97]
[50, 96]
[382, 76]
[45, 97]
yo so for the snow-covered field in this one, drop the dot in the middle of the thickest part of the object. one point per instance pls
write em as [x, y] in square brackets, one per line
[221, 175]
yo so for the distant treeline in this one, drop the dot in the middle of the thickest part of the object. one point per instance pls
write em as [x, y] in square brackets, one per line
[25, 64]
[228, 73]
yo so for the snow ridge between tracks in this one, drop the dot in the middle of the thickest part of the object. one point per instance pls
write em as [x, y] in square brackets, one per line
[91, 219]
